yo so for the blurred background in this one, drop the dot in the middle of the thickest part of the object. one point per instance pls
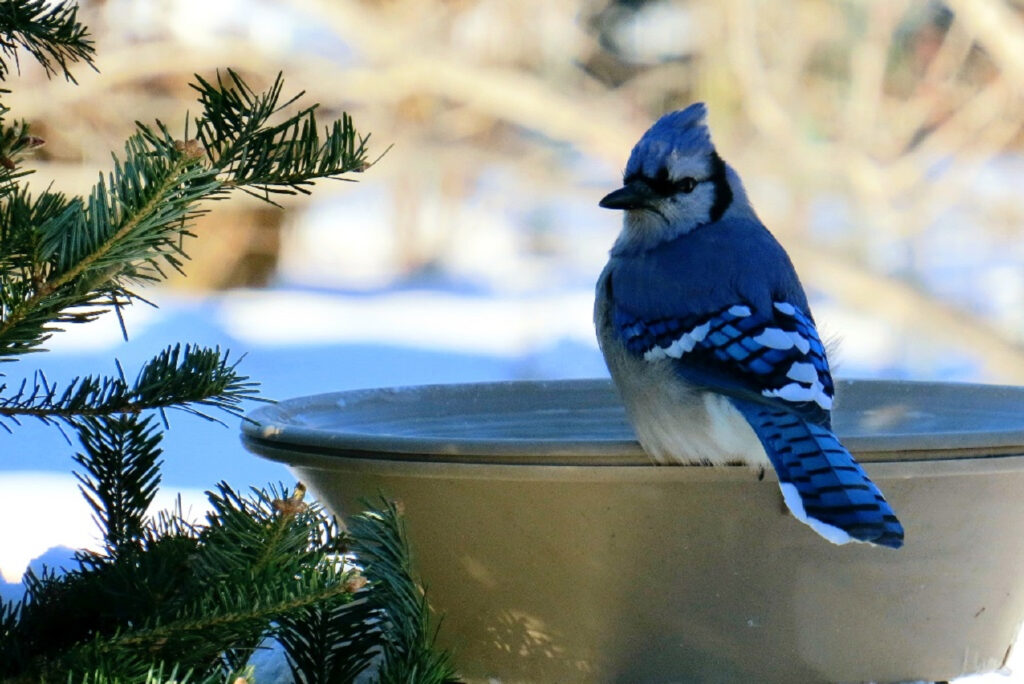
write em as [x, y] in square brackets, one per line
[882, 143]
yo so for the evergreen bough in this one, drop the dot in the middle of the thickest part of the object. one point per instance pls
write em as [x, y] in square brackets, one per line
[169, 599]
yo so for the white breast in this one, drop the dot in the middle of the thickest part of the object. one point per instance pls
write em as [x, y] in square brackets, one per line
[675, 423]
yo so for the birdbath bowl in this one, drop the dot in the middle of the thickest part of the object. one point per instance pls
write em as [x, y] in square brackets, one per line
[558, 553]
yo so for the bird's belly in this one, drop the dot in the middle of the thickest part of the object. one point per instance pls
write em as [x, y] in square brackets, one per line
[678, 424]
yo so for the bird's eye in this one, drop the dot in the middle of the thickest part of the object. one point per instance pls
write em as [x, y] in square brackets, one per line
[687, 184]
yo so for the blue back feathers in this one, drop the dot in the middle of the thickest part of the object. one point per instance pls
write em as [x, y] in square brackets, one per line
[734, 261]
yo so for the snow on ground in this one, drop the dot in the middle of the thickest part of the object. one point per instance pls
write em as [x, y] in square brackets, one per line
[508, 326]
[44, 510]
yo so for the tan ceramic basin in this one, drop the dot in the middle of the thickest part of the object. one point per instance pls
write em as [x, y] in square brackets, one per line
[557, 553]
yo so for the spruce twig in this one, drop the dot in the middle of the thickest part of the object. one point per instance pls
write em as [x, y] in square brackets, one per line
[121, 476]
[88, 252]
[50, 32]
[185, 378]
[186, 597]
[79, 257]
[264, 158]
[408, 654]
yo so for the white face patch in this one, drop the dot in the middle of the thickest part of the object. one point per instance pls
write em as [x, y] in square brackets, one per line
[686, 211]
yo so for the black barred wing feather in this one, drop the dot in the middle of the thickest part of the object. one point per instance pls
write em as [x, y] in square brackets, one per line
[821, 482]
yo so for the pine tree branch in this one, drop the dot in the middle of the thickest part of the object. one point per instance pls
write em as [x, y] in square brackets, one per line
[232, 604]
[330, 643]
[185, 378]
[182, 598]
[262, 158]
[86, 252]
[159, 196]
[121, 476]
[89, 252]
[16, 141]
[51, 33]
[178, 597]
[226, 609]
[152, 675]
[166, 589]
[262, 535]
[20, 217]
[381, 545]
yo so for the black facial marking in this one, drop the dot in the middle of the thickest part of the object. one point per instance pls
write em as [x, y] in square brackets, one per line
[723, 193]
[662, 185]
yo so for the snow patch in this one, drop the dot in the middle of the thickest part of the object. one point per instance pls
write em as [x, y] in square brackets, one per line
[51, 511]
[507, 326]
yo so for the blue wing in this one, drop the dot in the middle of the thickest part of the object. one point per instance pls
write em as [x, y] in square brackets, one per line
[774, 356]
[775, 370]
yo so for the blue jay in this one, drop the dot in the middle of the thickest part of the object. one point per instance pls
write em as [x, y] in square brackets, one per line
[707, 334]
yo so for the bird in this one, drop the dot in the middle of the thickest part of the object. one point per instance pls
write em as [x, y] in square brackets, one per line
[707, 334]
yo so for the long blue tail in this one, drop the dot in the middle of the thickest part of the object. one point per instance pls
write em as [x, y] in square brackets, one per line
[822, 484]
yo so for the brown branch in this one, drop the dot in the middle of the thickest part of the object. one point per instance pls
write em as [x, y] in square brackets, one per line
[906, 308]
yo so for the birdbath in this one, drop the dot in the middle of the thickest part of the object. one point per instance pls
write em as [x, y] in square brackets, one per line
[557, 552]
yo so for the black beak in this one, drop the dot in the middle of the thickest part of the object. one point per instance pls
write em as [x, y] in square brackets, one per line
[633, 195]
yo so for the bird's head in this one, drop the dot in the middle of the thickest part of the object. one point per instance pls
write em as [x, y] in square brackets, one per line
[674, 180]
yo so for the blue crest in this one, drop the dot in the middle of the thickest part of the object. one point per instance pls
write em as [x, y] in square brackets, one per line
[683, 133]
